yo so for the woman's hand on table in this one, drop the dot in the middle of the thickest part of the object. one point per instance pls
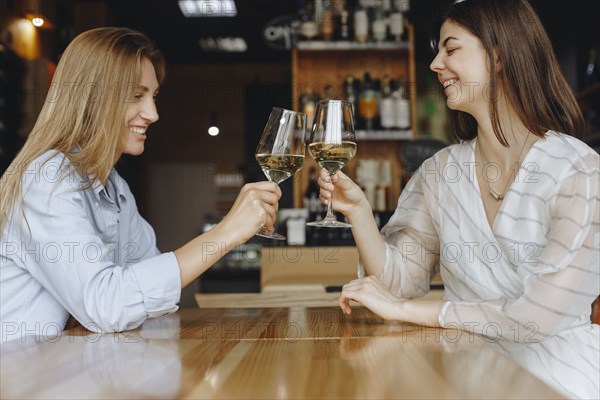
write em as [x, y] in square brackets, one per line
[373, 294]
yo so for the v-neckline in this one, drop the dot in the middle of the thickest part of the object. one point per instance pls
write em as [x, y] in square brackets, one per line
[517, 179]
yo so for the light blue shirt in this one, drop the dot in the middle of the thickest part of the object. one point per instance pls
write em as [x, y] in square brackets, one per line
[88, 253]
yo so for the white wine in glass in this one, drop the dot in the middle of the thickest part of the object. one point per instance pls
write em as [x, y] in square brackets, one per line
[280, 152]
[332, 144]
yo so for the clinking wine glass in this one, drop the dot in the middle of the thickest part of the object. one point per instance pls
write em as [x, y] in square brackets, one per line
[280, 152]
[332, 144]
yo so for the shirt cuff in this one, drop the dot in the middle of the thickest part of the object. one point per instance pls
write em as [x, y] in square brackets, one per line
[160, 283]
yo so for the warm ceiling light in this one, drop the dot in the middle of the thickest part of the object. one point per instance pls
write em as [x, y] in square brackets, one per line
[213, 131]
[208, 8]
[38, 20]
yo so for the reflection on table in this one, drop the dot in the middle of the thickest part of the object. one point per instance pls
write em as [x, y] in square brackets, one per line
[266, 353]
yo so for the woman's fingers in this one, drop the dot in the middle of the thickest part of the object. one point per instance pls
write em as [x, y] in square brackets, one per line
[350, 292]
[371, 293]
[268, 213]
[345, 304]
[258, 202]
[325, 183]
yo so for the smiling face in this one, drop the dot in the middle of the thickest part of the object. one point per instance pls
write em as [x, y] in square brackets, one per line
[141, 111]
[462, 67]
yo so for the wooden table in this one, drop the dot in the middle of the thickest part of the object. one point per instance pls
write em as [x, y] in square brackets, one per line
[265, 353]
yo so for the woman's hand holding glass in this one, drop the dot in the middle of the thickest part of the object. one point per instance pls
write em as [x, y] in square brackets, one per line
[280, 152]
[255, 207]
[348, 195]
[332, 145]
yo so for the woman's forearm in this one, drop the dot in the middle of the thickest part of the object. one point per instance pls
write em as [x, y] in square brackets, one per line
[201, 253]
[370, 244]
[421, 312]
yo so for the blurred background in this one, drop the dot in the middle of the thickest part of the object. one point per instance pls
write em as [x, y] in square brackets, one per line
[230, 62]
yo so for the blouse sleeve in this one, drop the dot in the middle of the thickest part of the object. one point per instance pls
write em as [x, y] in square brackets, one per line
[563, 282]
[412, 242]
[67, 257]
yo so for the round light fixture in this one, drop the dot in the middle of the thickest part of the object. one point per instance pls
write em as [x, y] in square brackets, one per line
[213, 131]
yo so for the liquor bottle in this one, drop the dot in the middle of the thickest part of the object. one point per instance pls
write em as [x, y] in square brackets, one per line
[367, 103]
[350, 92]
[361, 24]
[378, 28]
[377, 90]
[308, 105]
[344, 33]
[309, 29]
[396, 23]
[340, 20]
[311, 195]
[327, 27]
[386, 107]
[402, 107]
[386, 6]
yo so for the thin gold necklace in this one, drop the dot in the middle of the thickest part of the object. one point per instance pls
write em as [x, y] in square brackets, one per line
[500, 196]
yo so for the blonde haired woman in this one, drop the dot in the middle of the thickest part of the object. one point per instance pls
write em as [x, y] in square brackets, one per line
[73, 241]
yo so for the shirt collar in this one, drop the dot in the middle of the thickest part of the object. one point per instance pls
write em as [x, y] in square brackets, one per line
[117, 181]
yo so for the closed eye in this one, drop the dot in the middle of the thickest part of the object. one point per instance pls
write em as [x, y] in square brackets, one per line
[450, 51]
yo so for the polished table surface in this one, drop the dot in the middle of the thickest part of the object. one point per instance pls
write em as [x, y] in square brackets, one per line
[265, 353]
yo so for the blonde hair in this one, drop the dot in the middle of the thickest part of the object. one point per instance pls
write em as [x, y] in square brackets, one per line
[83, 115]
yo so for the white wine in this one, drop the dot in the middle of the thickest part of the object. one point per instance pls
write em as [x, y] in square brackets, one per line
[332, 156]
[279, 167]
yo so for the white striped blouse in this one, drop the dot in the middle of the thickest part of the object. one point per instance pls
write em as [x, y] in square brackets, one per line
[530, 276]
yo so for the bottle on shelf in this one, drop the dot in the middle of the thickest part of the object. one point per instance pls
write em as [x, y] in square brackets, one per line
[340, 18]
[396, 22]
[308, 105]
[351, 93]
[309, 29]
[361, 24]
[401, 107]
[378, 27]
[344, 33]
[386, 7]
[377, 89]
[386, 107]
[327, 26]
[367, 104]
[311, 195]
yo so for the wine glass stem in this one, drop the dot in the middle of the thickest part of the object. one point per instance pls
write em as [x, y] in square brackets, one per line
[264, 227]
[330, 215]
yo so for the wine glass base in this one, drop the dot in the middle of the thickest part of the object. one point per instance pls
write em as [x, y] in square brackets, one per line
[263, 232]
[324, 223]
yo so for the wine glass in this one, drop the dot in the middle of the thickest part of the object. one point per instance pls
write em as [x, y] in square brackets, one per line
[280, 151]
[332, 145]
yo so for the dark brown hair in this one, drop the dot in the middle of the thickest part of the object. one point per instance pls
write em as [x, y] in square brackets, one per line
[530, 75]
